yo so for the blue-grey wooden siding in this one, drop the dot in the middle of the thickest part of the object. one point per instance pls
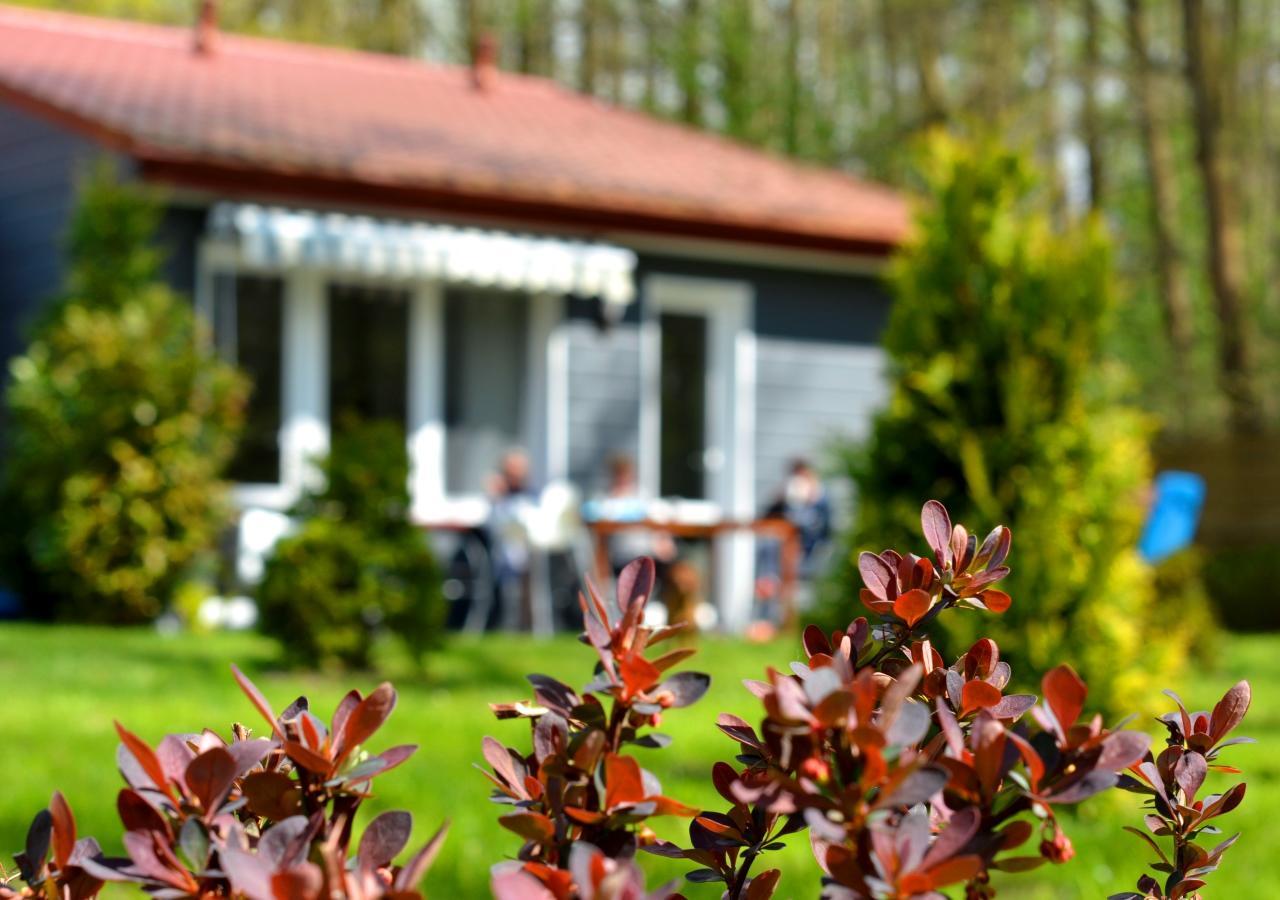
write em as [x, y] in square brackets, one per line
[604, 398]
[819, 369]
[38, 167]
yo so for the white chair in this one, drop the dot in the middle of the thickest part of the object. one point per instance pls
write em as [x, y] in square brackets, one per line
[554, 525]
[259, 531]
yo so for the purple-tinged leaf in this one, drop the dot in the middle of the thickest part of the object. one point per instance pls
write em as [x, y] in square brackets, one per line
[937, 530]
[1230, 710]
[1121, 749]
[1014, 706]
[383, 839]
[209, 778]
[416, 868]
[686, 688]
[877, 576]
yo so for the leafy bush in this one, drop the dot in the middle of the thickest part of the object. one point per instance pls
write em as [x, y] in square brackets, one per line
[266, 818]
[357, 568]
[577, 796]
[119, 425]
[1004, 406]
[910, 775]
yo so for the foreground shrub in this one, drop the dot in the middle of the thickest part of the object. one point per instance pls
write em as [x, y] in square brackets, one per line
[578, 798]
[1005, 407]
[266, 818]
[119, 424]
[910, 775]
[358, 568]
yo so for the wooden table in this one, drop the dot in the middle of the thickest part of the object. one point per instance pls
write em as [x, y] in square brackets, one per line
[781, 530]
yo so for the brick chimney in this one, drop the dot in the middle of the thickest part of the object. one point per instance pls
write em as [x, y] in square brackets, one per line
[484, 61]
[205, 36]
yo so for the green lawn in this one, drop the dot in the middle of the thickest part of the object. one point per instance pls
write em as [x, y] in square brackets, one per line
[62, 687]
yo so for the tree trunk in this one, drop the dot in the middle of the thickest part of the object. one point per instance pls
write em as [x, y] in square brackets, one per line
[791, 120]
[1162, 188]
[1051, 121]
[1090, 124]
[689, 62]
[1224, 235]
[932, 94]
[588, 38]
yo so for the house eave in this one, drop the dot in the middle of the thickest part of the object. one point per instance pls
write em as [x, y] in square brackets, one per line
[264, 185]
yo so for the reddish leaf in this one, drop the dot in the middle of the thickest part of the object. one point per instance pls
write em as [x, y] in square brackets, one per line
[146, 758]
[763, 885]
[1230, 710]
[911, 606]
[638, 674]
[977, 695]
[723, 776]
[996, 601]
[364, 720]
[209, 777]
[272, 795]
[1065, 693]
[624, 784]
[815, 642]
[416, 868]
[64, 829]
[255, 697]
[308, 759]
[665, 806]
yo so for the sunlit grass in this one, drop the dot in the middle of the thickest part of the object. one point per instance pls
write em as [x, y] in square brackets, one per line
[64, 685]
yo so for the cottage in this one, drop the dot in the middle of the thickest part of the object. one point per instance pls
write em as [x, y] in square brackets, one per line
[488, 257]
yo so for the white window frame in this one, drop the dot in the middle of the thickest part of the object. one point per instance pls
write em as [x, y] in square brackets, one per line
[304, 359]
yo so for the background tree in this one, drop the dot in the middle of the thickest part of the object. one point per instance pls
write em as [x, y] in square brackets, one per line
[120, 422]
[1002, 406]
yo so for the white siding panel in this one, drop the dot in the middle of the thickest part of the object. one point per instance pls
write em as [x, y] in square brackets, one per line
[810, 393]
[604, 399]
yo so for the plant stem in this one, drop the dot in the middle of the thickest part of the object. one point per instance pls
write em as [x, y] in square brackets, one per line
[735, 892]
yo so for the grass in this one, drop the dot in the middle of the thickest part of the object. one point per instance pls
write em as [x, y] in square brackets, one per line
[64, 685]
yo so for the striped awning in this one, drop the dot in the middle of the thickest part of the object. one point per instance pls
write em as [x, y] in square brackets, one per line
[408, 250]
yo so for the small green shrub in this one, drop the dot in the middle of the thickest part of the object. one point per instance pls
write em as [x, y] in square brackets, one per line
[358, 568]
[1004, 406]
[120, 422]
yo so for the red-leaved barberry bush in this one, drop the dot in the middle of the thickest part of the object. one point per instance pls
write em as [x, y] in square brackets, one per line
[910, 776]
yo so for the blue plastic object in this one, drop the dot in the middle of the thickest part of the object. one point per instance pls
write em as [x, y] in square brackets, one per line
[1175, 513]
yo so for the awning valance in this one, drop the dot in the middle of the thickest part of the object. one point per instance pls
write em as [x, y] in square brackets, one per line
[388, 248]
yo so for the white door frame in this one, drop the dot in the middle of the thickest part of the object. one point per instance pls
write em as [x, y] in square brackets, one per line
[729, 307]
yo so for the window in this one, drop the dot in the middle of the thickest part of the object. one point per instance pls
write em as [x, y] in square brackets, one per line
[368, 354]
[247, 330]
[683, 440]
[485, 334]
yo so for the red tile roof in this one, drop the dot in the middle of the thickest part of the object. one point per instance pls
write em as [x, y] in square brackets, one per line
[262, 117]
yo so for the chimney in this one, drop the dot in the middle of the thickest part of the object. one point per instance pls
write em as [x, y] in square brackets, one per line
[206, 30]
[484, 61]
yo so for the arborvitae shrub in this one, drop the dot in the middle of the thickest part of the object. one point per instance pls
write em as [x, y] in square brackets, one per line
[1003, 406]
